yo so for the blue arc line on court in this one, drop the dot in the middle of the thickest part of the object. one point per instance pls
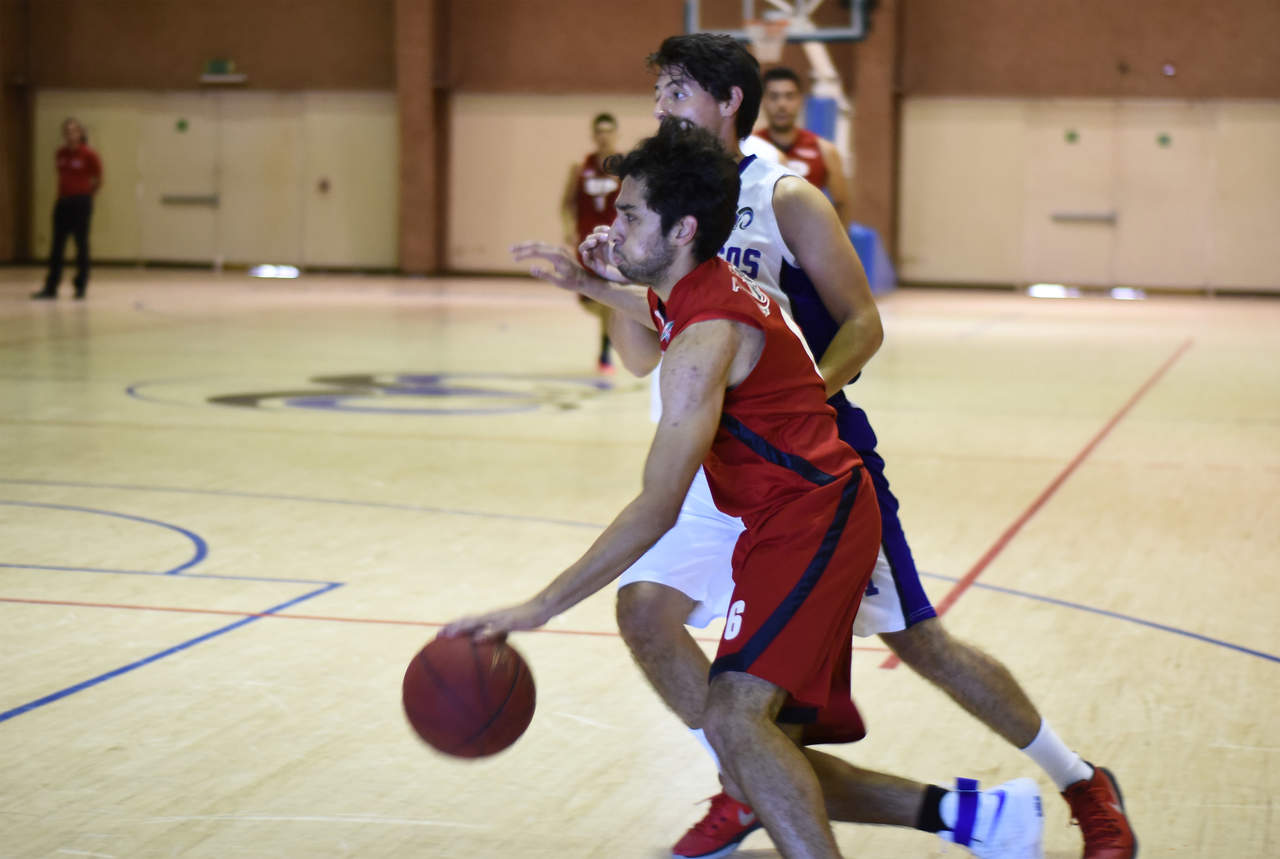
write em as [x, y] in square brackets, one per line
[272, 496]
[214, 576]
[201, 552]
[201, 548]
[178, 648]
[1163, 627]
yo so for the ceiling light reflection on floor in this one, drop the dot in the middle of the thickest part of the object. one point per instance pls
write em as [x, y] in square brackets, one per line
[1052, 290]
[286, 271]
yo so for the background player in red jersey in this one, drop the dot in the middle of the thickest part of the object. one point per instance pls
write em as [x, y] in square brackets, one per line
[743, 399]
[803, 151]
[79, 178]
[588, 203]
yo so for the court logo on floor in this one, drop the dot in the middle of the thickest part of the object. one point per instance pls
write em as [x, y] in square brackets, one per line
[426, 393]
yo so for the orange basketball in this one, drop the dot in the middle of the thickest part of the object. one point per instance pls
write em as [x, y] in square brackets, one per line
[468, 698]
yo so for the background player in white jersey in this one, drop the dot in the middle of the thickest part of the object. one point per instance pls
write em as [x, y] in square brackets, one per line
[800, 254]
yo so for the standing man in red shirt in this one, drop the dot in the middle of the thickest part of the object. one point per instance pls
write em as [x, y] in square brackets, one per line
[588, 203]
[79, 178]
[802, 151]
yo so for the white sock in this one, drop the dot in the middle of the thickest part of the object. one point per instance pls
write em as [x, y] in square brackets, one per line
[702, 738]
[1064, 766]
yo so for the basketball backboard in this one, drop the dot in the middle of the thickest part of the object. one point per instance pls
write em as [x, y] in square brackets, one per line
[811, 20]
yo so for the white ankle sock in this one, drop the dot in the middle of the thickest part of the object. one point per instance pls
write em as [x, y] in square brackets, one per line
[702, 738]
[1064, 766]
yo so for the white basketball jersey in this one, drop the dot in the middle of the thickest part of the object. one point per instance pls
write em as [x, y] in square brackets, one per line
[755, 246]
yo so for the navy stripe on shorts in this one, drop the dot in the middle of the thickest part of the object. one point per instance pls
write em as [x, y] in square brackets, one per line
[791, 603]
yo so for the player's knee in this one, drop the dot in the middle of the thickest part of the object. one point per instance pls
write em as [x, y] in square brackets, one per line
[647, 611]
[720, 719]
[738, 707]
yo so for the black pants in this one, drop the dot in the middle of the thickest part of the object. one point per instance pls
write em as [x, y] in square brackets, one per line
[70, 218]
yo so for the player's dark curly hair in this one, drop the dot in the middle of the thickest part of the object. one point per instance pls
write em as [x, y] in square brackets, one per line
[685, 171]
[717, 62]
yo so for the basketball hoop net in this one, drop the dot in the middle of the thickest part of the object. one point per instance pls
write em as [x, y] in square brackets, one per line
[767, 37]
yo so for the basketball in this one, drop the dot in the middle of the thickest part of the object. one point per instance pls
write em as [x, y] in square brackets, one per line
[468, 698]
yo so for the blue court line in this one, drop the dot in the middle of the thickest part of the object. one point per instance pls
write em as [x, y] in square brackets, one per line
[270, 496]
[58, 569]
[101, 678]
[420, 509]
[201, 548]
[1116, 616]
[201, 552]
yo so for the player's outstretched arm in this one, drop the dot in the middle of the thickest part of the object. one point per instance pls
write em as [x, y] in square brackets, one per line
[557, 266]
[813, 232]
[695, 373]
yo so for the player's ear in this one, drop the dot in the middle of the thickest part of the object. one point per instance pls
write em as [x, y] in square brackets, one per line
[684, 230]
[730, 106]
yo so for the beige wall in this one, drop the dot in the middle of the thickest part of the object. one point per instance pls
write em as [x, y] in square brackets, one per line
[510, 161]
[263, 154]
[1192, 185]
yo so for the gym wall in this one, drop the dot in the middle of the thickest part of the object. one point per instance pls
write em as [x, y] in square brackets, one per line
[989, 92]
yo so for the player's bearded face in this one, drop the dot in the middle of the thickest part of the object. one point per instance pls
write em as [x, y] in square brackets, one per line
[637, 244]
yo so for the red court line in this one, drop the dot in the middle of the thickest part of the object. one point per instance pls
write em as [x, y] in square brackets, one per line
[320, 617]
[958, 589]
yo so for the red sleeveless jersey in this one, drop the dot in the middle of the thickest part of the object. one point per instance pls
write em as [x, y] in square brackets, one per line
[597, 191]
[804, 155]
[778, 438]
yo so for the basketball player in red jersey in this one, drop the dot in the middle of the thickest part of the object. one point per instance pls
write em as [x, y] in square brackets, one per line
[802, 151]
[714, 82]
[79, 178]
[743, 398]
[588, 203]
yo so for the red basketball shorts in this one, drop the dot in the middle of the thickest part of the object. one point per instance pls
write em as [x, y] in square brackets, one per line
[798, 579]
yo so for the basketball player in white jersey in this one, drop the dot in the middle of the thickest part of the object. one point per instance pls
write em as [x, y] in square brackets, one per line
[789, 239]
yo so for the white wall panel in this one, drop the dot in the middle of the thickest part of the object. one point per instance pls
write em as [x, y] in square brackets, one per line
[1162, 194]
[178, 168]
[510, 157]
[1244, 223]
[962, 190]
[1069, 230]
[350, 200]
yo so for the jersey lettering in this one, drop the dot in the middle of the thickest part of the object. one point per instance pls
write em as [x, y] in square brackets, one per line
[747, 261]
[753, 289]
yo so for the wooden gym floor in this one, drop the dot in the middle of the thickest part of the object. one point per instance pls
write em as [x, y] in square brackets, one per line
[231, 509]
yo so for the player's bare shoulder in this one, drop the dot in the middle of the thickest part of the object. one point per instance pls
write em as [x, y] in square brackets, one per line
[796, 196]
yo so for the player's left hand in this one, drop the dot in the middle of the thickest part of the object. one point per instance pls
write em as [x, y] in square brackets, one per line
[496, 624]
[553, 263]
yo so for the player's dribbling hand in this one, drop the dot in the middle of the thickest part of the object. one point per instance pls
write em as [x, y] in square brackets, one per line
[496, 624]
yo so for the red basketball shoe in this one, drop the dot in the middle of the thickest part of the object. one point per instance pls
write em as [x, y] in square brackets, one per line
[720, 832]
[1098, 806]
